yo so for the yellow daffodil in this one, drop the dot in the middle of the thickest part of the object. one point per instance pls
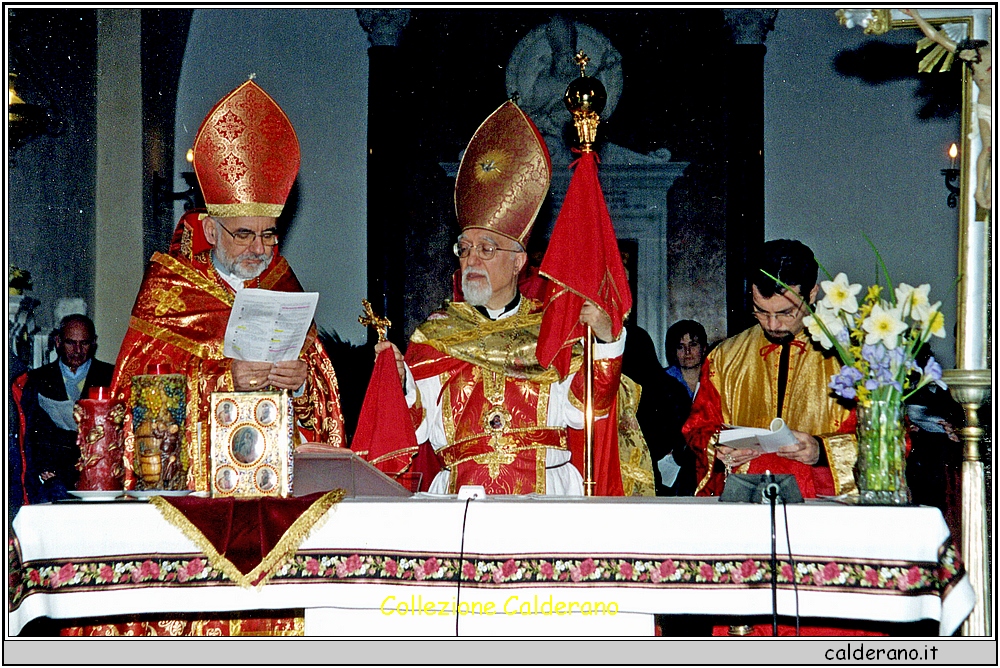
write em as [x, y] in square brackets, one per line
[935, 321]
[840, 294]
[914, 301]
[885, 325]
[824, 316]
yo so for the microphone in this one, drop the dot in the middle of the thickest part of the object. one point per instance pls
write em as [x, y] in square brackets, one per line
[771, 489]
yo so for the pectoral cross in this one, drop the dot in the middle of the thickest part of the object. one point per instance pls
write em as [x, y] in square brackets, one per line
[369, 319]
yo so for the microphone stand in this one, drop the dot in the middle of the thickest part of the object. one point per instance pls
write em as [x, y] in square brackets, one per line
[771, 493]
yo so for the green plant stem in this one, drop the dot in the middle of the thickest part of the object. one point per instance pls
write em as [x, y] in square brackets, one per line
[885, 270]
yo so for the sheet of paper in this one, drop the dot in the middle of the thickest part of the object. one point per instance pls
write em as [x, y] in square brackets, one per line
[755, 438]
[668, 470]
[268, 325]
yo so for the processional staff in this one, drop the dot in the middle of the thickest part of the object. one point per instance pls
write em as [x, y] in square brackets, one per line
[585, 99]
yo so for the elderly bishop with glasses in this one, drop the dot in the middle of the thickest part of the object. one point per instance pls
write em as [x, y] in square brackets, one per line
[246, 157]
[475, 388]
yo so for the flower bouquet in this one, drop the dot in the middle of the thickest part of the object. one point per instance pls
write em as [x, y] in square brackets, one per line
[877, 341]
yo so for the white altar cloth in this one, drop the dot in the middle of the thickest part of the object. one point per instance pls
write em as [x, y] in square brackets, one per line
[371, 556]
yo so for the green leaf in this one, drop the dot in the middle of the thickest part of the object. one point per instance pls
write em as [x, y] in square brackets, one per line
[885, 270]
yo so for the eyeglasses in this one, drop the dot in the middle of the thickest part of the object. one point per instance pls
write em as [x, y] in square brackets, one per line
[784, 316]
[484, 251]
[246, 237]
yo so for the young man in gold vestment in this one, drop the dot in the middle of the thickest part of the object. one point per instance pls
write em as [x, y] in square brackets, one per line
[774, 370]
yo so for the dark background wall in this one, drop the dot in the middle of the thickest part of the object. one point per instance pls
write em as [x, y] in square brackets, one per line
[848, 144]
[50, 193]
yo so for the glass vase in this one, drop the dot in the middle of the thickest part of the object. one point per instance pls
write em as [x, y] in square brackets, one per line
[881, 466]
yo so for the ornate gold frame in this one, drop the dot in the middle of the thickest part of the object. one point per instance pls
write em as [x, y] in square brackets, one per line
[971, 381]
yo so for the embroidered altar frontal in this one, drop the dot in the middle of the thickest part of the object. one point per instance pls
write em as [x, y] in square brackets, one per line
[883, 563]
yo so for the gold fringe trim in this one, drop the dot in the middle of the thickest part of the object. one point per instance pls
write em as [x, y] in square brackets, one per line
[202, 350]
[314, 517]
[273, 277]
[585, 298]
[710, 456]
[394, 453]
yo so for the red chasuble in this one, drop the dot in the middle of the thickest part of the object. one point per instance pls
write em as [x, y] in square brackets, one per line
[180, 318]
[495, 397]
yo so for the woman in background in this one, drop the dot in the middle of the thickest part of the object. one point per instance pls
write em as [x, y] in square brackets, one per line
[686, 347]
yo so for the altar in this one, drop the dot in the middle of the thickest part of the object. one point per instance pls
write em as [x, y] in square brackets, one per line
[504, 565]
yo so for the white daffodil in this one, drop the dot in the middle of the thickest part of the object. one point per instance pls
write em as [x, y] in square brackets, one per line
[840, 294]
[885, 325]
[827, 317]
[914, 301]
[935, 321]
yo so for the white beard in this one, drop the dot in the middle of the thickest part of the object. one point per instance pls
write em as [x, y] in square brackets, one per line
[232, 265]
[476, 294]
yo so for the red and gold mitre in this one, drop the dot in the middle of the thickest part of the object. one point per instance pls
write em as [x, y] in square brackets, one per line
[504, 175]
[246, 155]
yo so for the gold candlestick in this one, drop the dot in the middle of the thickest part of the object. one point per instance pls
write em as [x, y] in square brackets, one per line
[970, 387]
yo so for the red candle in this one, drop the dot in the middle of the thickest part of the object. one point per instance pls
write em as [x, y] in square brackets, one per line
[99, 393]
[99, 422]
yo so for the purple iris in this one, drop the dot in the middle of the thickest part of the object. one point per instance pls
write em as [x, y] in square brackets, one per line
[896, 357]
[933, 371]
[873, 354]
[843, 383]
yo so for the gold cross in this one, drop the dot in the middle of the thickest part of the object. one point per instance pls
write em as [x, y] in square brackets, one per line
[494, 460]
[582, 59]
[167, 300]
[369, 319]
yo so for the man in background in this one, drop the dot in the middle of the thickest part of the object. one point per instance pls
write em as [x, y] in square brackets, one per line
[50, 449]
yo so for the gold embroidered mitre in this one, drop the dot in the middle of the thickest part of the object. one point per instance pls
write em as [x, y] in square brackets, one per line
[504, 175]
[246, 155]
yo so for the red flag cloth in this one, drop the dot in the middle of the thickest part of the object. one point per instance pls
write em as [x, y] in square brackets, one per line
[385, 435]
[582, 263]
[607, 465]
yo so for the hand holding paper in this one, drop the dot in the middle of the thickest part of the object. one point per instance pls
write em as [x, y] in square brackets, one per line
[778, 439]
[755, 438]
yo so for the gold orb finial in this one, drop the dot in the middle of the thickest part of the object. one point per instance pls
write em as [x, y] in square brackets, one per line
[585, 98]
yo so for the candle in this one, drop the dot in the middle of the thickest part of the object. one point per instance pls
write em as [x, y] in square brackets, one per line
[953, 153]
[99, 393]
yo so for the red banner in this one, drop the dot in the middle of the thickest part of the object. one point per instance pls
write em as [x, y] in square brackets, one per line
[582, 263]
